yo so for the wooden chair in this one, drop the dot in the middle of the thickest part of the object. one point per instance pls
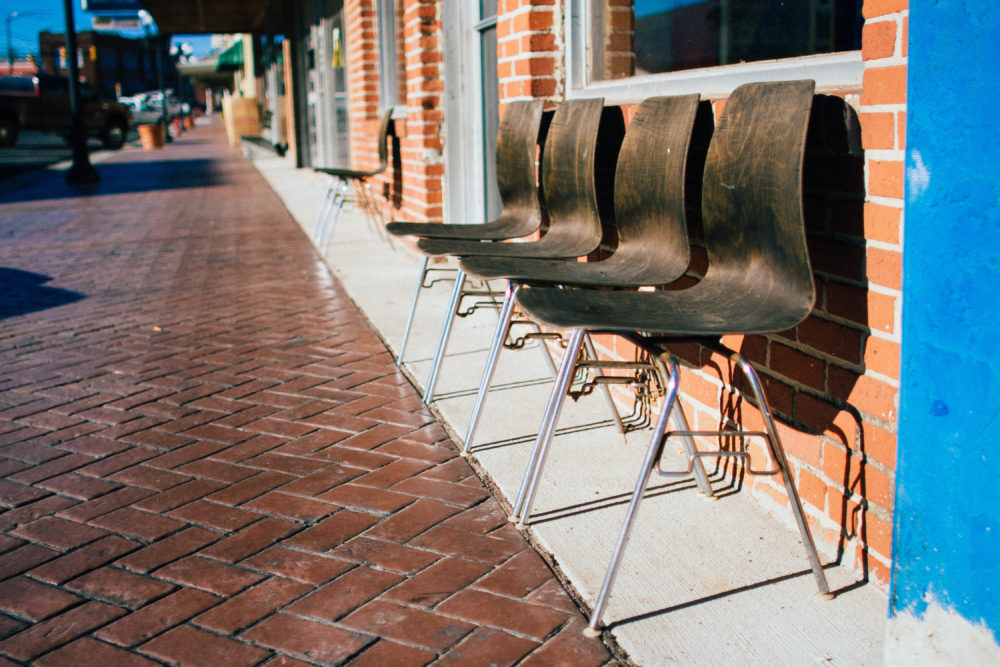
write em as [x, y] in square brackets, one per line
[649, 216]
[521, 132]
[574, 228]
[342, 181]
[759, 280]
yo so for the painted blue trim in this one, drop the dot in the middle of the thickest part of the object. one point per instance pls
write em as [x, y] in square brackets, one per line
[946, 538]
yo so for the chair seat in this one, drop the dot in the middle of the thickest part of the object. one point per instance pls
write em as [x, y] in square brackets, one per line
[619, 270]
[504, 227]
[702, 310]
[349, 174]
[553, 246]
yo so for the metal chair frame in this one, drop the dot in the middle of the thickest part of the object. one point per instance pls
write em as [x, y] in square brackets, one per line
[759, 280]
[574, 230]
[340, 185]
[521, 131]
[649, 209]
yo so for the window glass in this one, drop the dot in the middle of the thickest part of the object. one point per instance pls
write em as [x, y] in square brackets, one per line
[655, 36]
[392, 57]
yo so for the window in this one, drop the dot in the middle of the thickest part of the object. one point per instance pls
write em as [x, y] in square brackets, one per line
[631, 49]
[392, 57]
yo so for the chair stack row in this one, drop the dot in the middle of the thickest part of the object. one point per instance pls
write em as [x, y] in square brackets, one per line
[595, 175]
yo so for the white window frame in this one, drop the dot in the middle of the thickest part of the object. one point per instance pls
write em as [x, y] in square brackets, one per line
[833, 72]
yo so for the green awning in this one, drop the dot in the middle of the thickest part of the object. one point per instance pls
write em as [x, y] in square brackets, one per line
[230, 59]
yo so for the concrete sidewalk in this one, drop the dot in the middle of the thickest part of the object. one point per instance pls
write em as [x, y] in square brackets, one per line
[208, 456]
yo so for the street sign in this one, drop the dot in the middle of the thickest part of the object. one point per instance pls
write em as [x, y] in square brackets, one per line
[111, 5]
[116, 22]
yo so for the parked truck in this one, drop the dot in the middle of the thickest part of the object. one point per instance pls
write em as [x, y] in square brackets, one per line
[41, 102]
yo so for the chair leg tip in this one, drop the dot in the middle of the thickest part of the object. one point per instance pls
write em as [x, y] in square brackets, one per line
[592, 633]
[708, 498]
[825, 595]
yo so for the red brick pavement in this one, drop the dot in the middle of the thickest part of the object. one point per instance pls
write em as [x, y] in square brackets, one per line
[208, 457]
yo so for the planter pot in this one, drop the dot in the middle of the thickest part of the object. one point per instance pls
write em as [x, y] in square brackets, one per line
[152, 136]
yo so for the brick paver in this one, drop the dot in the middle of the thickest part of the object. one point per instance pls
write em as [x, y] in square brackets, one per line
[207, 456]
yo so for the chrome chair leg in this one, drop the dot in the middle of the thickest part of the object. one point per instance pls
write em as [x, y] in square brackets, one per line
[323, 209]
[526, 496]
[339, 206]
[778, 454]
[592, 351]
[503, 327]
[656, 444]
[453, 305]
[413, 309]
[338, 188]
[536, 462]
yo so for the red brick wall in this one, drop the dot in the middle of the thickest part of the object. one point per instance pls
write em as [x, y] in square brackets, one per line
[529, 49]
[412, 187]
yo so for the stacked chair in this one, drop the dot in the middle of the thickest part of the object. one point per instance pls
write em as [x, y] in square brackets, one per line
[340, 186]
[521, 131]
[649, 217]
[758, 281]
[572, 142]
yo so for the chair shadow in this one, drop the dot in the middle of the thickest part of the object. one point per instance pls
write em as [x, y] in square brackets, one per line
[23, 292]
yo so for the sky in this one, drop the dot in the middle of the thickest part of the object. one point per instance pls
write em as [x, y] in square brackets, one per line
[34, 16]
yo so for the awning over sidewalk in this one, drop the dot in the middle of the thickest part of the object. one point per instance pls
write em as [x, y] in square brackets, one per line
[219, 16]
[231, 59]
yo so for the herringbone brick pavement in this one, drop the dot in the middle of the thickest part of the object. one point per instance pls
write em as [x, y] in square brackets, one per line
[207, 456]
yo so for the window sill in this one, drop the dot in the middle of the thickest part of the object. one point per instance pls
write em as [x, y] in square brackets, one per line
[838, 72]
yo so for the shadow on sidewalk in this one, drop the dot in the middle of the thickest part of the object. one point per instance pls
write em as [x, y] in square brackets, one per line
[126, 177]
[23, 292]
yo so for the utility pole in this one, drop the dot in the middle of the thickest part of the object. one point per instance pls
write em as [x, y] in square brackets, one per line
[81, 172]
[10, 43]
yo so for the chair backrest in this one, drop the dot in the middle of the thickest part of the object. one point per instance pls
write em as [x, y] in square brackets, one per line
[568, 172]
[752, 197]
[650, 187]
[516, 160]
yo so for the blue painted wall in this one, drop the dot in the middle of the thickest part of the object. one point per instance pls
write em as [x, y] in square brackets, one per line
[947, 520]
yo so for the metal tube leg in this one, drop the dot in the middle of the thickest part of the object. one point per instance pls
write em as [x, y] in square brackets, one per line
[680, 422]
[778, 452]
[652, 455]
[592, 352]
[700, 476]
[526, 495]
[456, 297]
[323, 208]
[413, 309]
[338, 193]
[506, 314]
[328, 232]
[545, 353]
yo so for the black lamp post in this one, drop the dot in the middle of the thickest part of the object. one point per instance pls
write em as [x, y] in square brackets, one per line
[81, 172]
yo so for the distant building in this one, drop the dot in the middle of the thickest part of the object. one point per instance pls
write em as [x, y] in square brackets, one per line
[112, 64]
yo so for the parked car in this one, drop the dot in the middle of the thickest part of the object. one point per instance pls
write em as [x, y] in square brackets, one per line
[41, 102]
[154, 100]
[142, 112]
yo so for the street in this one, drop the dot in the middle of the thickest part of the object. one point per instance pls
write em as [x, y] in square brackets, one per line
[36, 150]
